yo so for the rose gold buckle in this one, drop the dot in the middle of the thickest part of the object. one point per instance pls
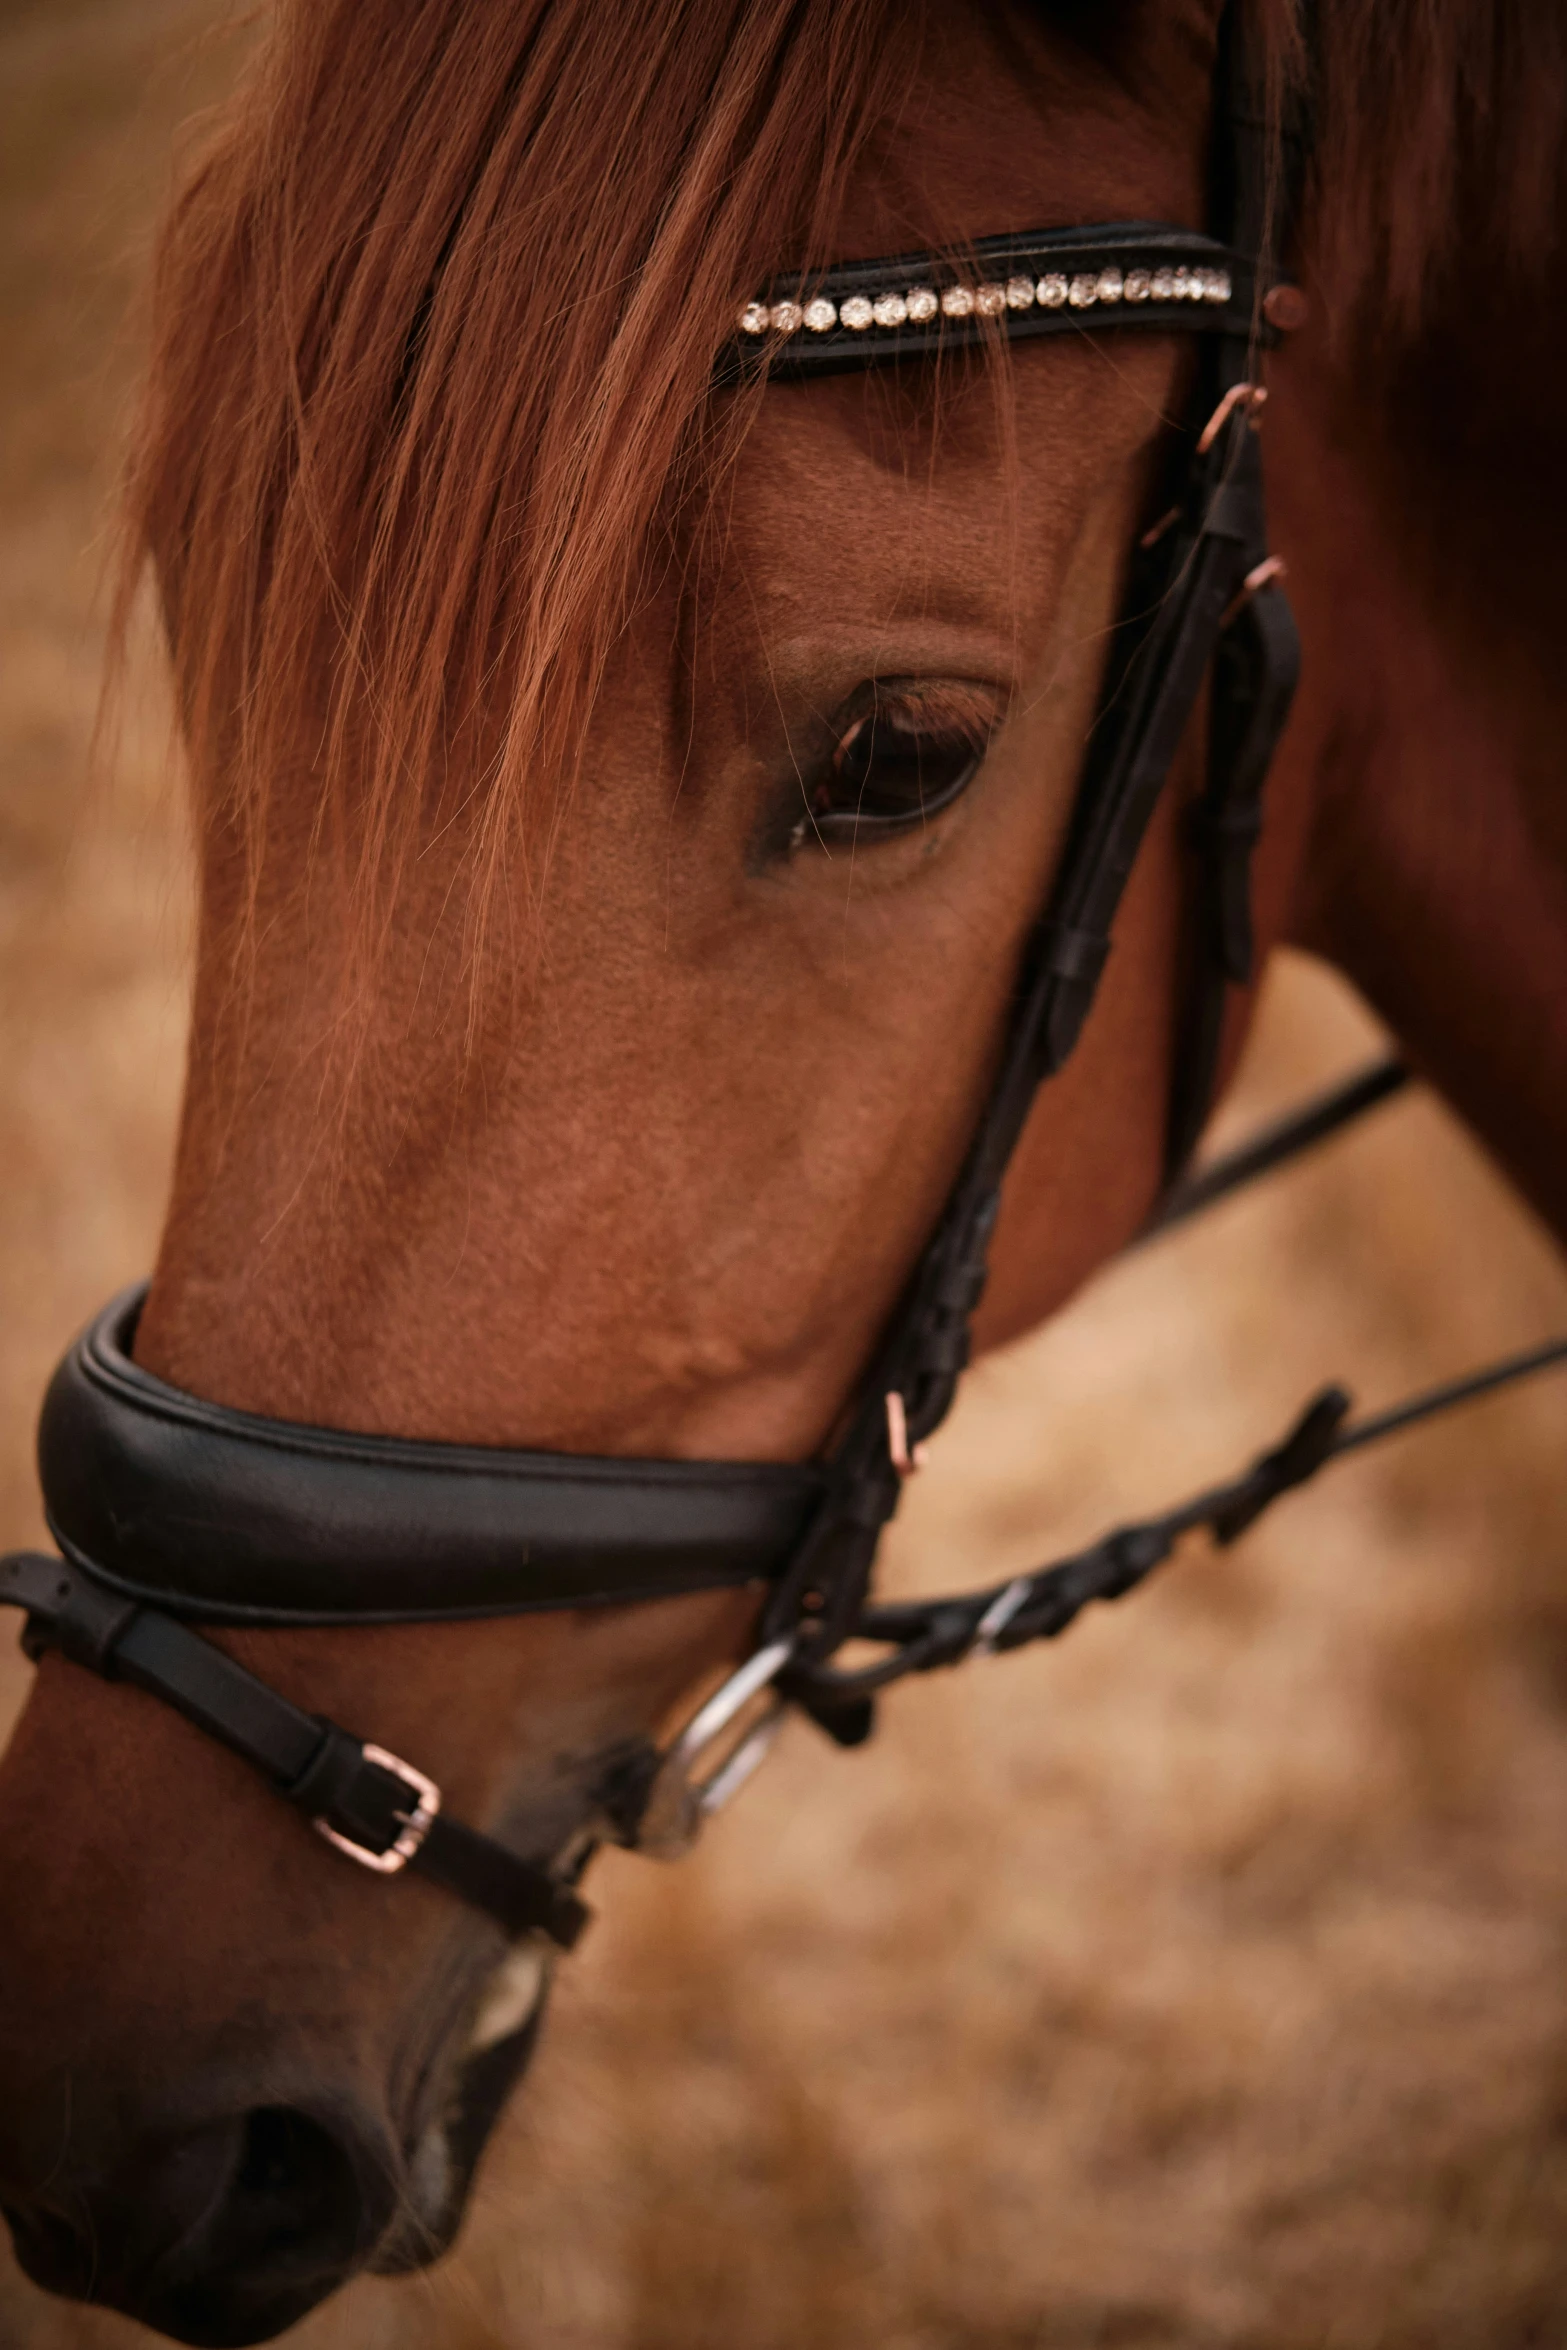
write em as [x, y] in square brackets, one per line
[416, 1823]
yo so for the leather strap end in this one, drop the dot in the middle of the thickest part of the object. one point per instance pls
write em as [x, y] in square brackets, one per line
[520, 1896]
[66, 1610]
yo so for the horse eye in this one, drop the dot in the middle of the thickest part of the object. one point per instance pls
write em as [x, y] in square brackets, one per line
[898, 763]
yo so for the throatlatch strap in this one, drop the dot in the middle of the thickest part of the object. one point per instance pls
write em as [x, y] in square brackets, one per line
[367, 1801]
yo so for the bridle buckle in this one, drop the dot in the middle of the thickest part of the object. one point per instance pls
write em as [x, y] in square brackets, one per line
[416, 1822]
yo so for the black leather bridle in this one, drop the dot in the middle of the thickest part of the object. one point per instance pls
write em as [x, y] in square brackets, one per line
[171, 1512]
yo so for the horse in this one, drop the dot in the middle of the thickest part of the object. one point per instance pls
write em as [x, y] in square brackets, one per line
[625, 781]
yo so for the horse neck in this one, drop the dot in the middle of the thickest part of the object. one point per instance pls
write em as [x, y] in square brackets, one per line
[1414, 506]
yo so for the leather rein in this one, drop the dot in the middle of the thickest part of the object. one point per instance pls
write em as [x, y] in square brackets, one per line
[171, 1512]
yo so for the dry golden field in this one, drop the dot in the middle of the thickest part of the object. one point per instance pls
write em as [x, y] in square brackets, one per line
[1198, 1983]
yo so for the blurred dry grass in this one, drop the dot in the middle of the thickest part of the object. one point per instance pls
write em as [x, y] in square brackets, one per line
[1197, 1984]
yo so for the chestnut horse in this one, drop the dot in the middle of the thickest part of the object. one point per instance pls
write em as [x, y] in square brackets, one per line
[555, 1081]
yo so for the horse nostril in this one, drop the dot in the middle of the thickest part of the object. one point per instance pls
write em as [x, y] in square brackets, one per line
[225, 2236]
[294, 2178]
[299, 2213]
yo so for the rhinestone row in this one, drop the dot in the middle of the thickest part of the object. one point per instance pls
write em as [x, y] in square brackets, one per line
[922, 303]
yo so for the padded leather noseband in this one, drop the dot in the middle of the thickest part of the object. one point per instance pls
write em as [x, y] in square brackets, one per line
[167, 1507]
[224, 1517]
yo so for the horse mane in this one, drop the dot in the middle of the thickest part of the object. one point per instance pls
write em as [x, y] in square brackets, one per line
[435, 315]
[1434, 236]
[1439, 160]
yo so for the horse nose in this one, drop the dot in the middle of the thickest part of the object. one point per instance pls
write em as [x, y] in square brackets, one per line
[225, 2236]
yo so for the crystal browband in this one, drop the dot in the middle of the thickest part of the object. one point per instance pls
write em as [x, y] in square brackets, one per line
[1129, 273]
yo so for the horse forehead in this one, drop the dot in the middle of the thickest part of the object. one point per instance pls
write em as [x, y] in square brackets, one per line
[862, 504]
[869, 490]
[1011, 121]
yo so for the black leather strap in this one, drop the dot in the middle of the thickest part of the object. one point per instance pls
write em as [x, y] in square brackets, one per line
[227, 1518]
[1255, 667]
[323, 1770]
[1282, 1140]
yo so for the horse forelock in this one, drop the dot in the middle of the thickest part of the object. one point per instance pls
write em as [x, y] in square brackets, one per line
[435, 324]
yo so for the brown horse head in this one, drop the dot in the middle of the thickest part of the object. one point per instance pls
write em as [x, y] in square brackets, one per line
[586, 1033]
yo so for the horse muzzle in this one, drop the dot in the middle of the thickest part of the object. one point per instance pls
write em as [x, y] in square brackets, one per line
[228, 2229]
[223, 2232]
